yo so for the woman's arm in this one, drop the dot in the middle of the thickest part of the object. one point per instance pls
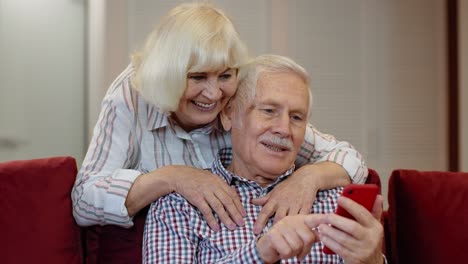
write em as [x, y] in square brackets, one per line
[324, 163]
[113, 185]
[104, 179]
[201, 188]
[107, 192]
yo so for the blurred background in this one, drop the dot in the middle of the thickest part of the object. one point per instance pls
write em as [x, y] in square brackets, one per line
[389, 76]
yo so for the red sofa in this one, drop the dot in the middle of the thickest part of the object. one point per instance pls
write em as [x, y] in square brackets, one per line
[36, 212]
[424, 223]
[427, 218]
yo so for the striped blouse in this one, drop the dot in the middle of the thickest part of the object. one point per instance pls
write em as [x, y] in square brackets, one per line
[132, 137]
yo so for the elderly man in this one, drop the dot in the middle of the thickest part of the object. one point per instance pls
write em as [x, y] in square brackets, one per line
[268, 119]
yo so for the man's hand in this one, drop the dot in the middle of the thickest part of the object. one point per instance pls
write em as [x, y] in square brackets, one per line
[290, 237]
[357, 241]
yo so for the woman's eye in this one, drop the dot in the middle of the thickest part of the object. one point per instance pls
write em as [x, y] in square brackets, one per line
[197, 77]
[225, 76]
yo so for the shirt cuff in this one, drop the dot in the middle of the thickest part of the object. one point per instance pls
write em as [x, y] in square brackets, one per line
[115, 208]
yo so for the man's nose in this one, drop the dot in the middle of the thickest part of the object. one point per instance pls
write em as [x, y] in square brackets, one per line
[282, 126]
[212, 90]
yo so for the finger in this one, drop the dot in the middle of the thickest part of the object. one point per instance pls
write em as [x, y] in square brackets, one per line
[306, 207]
[343, 239]
[230, 204]
[314, 220]
[274, 241]
[205, 209]
[334, 245]
[280, 214]
[293, 210]
[378, 207]
[359, 212]
[294, 242]
[266, 249]
[348, 246]
[309, 238]
[218, 207]
[261, 200]
[236, 199]
[262, 218]
[224, 192]
[343, 224]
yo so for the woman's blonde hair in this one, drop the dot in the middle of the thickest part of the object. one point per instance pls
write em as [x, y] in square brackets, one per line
[254, 69]
[192, 37]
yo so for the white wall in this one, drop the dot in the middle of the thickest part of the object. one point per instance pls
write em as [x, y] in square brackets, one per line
[42, 53]
[378, 76]
[378, 68]
[107, 53]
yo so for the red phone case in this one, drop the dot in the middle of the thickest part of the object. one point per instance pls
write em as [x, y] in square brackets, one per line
[363, 194]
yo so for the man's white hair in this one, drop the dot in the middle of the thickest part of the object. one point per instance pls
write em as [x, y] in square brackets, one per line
[253, 70]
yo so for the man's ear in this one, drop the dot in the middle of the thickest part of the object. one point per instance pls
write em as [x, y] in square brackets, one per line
[226, 116]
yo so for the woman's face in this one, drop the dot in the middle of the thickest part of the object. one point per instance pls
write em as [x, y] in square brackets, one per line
[205, 96]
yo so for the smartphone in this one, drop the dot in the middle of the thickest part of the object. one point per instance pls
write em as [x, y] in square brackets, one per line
[363, 194]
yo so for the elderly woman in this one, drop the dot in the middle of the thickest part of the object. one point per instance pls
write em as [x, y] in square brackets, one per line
[159, 130]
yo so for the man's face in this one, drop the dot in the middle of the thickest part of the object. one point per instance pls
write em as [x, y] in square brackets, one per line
[267, 133]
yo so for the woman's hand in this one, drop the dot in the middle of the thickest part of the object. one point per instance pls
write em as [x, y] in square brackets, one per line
[209, 193]
[201, 188]
[296, 194]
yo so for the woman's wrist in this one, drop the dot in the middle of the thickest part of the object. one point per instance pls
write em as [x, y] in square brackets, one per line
[149, 187]
[324, 175]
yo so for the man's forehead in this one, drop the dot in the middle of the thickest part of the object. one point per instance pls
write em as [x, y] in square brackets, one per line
[289, 81]
[272, 88]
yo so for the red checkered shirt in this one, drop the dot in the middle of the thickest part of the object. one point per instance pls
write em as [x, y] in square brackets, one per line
[176, 231]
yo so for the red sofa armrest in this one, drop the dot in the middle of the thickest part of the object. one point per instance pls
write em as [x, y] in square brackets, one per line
[427, 216]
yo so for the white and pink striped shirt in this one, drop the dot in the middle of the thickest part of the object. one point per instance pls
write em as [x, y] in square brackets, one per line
[132, 137]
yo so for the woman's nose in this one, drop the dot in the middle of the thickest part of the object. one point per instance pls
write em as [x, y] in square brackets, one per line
[212, 90]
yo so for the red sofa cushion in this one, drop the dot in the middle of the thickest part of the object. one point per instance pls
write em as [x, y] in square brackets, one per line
[427, 216]
[36, 212]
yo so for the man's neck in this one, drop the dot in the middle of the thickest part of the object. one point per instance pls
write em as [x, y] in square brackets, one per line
[245, 172]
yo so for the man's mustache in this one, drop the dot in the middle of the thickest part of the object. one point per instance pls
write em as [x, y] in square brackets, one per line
[281, 142]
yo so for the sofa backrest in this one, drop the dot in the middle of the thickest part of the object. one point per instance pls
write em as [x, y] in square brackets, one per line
[36, 212]
[374, 178]
[427, 217]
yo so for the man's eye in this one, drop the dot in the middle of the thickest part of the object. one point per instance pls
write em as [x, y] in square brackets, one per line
[268, 110]
[297, 118]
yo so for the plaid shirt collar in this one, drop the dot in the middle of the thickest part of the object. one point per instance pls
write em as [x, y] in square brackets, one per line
[224, 159]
